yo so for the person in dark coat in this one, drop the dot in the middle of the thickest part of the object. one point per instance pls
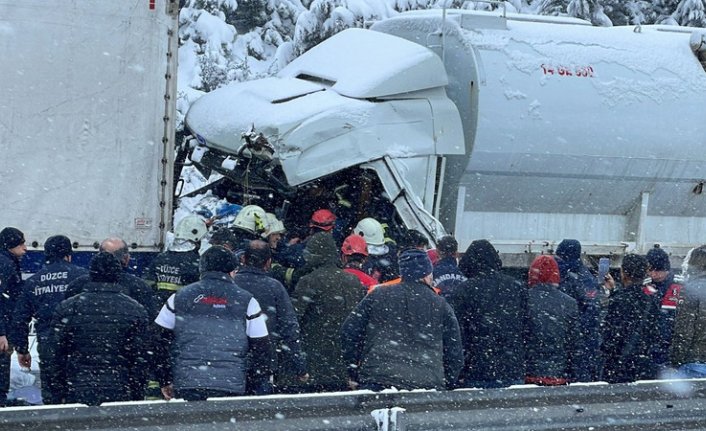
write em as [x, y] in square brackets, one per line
[666, 294]
[491, 309]
[177, 267]
[403, 335]
[12, 249]
[219, 345]
[578, 282]
[96, 341]
[41, 294]
[688, 348]
[552, 329]
[323, 299]
[282, 323]
[447, 276]
[629, 328]
[133, 286]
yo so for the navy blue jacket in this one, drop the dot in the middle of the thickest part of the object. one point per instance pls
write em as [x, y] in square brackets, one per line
[667, 296]
[41, 294]
[282, 324]
[552, 334]
[629, 332]
[10, 289]
[579, 283]
[447, 276]
[491, 309]
[402, 335]
[170, 271]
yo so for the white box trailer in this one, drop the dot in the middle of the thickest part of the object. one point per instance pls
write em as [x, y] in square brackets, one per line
[524, 130]
[87, 102]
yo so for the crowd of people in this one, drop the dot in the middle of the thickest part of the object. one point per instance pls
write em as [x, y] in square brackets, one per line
[249, 309]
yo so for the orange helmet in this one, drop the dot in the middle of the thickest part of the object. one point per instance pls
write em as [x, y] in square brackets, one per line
[323, 219]
[354, 244]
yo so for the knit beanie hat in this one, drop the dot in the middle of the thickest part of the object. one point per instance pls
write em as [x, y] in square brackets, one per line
[105, 268]
[635, 266]
[414, 265]
[57, 247]
[11, 237]
[544, 270]
[217, 259]
[658, 260]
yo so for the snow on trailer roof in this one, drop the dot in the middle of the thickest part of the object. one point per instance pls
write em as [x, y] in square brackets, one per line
[363, 64]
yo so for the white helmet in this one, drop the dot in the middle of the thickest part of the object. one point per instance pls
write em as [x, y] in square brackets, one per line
[273, 225]
[251, 218]
[190, 228]
[371, 230]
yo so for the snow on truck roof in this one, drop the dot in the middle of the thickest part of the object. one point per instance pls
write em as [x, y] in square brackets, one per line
[364, 64]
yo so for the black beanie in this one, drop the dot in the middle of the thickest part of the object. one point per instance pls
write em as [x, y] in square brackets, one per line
[658, 260]
[11, 237]
[57, 247]
[105, 268]
[414, 265]
[217, 259]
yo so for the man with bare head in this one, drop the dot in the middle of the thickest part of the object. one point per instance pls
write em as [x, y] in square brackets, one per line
[118, 248]
[133, 286]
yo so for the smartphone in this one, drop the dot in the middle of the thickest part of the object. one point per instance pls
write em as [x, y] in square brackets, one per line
[603, 268]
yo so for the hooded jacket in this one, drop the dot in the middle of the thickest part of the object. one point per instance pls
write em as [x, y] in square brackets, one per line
[578, 282]
[491, 309]
[322, 300]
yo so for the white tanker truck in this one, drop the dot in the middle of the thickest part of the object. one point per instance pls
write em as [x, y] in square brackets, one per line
[520, 129]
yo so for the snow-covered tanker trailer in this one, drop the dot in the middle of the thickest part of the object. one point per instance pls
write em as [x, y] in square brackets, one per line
[521, 129]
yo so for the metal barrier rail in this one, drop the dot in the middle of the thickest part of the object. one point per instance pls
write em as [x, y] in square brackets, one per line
[643, 406]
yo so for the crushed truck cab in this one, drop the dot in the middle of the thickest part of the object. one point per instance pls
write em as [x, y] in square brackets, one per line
[521, 129]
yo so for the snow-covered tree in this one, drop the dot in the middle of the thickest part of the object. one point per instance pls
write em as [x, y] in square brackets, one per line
[552, 7]
[691, 13]
[627, 12]
[663, 10]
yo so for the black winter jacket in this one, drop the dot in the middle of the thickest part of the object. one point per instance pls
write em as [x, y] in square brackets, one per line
[629, 331]
[170, 271]
[552, 334]
[96, 344]
[132, 286]
[10, 289]
[403, 335]
[282, 324]
[41, 293]
[491, 309]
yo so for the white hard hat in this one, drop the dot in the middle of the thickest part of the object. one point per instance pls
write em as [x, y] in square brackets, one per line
[371, 230]
[251, 218]
[190, 228]
[273, 225]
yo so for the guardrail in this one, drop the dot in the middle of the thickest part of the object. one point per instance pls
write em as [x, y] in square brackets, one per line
[667, 405]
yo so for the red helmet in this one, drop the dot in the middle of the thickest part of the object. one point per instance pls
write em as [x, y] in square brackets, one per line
[354, 244]
[323, 219]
